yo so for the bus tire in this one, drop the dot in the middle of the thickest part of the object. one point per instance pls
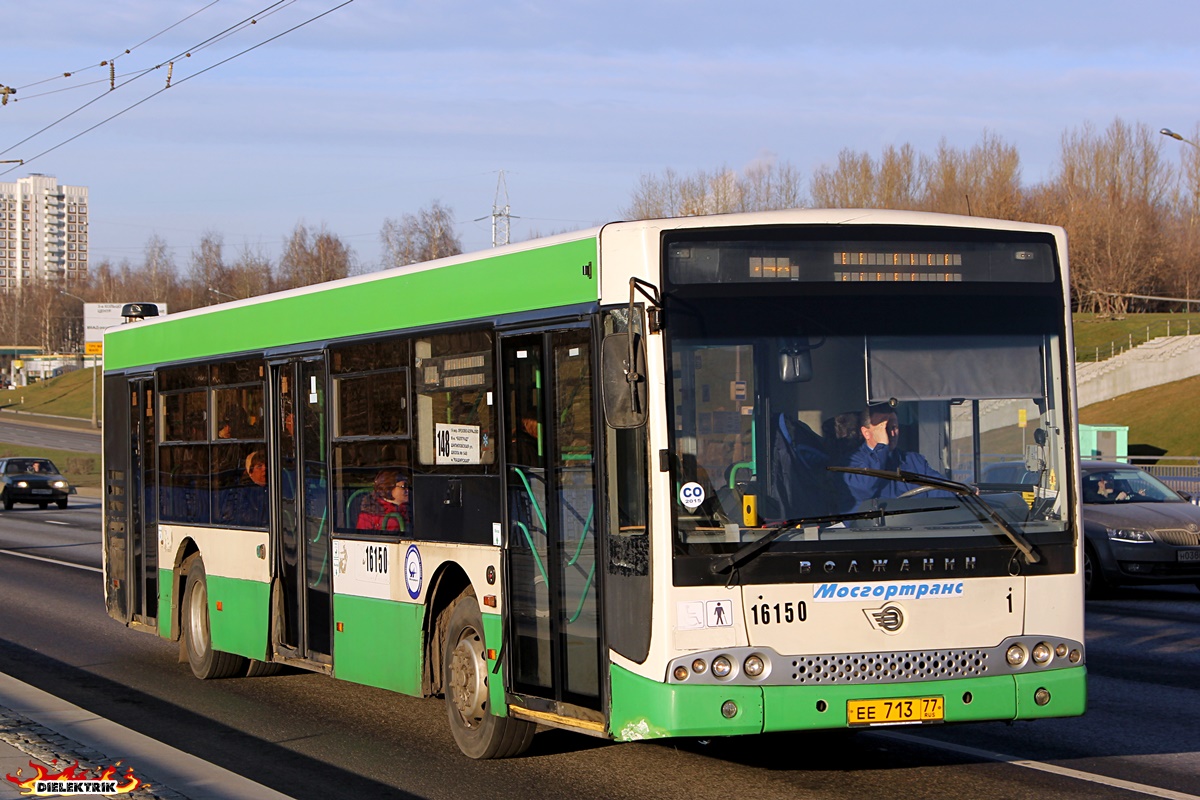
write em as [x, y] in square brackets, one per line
[205, 662]
[262, 669]
[478, 733]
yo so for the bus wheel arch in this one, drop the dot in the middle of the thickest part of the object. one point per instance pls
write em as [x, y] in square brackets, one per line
[183, 557]
[448, 584]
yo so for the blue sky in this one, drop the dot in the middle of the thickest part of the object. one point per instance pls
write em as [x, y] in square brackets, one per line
[382, 106]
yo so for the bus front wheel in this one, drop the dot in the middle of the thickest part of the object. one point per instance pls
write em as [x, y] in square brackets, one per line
[478, 733]
[197, 642]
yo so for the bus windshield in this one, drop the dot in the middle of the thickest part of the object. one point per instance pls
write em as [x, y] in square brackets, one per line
[800, 407]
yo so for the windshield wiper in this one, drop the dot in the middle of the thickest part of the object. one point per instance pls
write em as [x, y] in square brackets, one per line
[968, 493]
[753, 548]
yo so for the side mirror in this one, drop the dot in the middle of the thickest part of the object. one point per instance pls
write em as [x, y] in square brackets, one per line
[623, 375]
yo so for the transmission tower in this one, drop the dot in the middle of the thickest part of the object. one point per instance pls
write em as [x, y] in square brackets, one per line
[500, 214]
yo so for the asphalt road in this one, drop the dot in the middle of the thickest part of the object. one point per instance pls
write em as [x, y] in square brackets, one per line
[313, 737]
[33, 434]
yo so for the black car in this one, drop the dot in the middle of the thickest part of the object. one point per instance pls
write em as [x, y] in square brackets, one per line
[32, 480]
[1137, 529]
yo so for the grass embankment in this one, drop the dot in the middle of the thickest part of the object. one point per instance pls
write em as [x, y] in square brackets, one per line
[69, 395]
[1106, 336]
[1161, 416]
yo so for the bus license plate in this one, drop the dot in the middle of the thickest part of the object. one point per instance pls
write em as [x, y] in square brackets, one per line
[895, 710]
[1189, 555]
[41, 491]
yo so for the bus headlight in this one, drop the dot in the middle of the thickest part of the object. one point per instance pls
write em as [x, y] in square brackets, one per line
[1015, 655]
[698, 666]
[681, 673]
[753, 666]
[1041, 653]
[721, 667]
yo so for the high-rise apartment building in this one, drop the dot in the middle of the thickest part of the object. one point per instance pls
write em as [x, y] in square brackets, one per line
[43, 232]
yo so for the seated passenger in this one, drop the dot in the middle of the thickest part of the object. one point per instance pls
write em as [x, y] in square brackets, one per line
[388, 507]
[246, 503]
[880, 428]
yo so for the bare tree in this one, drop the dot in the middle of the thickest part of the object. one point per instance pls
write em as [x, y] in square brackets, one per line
[423, 236]
[310, 258]
[1112, 189]
[983, 181]
[763, 186]
[156, 281]
[849, 184]
[250, 274]
[208, 271]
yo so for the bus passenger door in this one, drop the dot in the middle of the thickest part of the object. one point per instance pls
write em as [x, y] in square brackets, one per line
[553, 640]
[301, 602]
[145, 509]
[132, 509]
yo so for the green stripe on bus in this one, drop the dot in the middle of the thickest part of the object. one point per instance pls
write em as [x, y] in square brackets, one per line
[493, 634]
[646, 709]
[241, 626]
[1067, 688]
[380, 642]
[166, 590]
[533, 279]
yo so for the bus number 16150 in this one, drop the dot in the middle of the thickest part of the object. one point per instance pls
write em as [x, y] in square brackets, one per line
[776, 613]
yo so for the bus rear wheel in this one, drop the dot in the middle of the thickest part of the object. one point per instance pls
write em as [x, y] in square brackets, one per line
[205, 662]
[478, 733]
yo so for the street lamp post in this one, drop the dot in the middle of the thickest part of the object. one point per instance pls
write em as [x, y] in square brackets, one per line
[95, 402]
[1178, 137]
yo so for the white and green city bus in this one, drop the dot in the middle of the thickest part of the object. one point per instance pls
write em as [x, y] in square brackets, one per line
[641, 503]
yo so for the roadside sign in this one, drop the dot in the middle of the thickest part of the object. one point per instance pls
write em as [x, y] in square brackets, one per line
[93, 348]
[98, 316]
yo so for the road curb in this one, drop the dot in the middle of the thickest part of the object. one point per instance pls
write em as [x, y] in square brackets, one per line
[51, 729]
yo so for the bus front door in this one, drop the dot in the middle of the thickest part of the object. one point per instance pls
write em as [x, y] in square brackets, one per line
[301, 602]
[553, 624]
[143, 511]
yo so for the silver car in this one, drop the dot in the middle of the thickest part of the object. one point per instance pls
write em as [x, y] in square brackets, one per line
[1137, 530]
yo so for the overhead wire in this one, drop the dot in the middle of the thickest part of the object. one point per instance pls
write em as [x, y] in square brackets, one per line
[250, 20]
[168, 86]
[225, 34]
[127, 51]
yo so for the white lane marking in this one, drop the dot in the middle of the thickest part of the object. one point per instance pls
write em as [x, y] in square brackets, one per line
[1054, 769]
[55, 522]
[50, 560]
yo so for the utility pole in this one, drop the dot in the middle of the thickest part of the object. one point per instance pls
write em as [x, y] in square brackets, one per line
[500, 214]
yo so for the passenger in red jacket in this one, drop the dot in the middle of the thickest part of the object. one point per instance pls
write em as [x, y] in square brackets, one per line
[388, 507]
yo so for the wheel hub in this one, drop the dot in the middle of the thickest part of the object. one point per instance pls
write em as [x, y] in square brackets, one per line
[468, 679]
[197, 617]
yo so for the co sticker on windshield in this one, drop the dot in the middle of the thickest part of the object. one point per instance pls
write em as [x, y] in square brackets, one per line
[691, 494]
